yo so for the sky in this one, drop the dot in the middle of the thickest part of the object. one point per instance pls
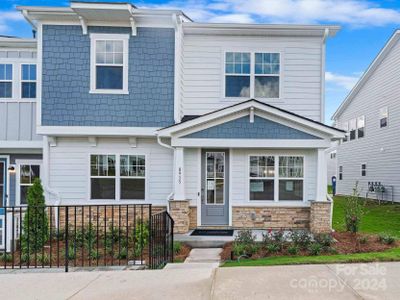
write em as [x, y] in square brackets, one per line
[366, 26]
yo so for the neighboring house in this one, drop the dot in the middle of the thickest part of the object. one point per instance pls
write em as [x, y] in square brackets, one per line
[371, 116]
[332, 163]
[220, 123]
[20, 146]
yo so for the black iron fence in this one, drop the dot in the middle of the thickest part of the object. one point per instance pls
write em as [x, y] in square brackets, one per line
[84, 236]
[162, 241]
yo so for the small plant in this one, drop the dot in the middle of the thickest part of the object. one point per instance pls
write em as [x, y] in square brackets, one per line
[245, 237]
[177, 247]
[386, 239]
[273, 248]
[43, 258]
[353, 210]
[71, 252]
[275, 238]
[325, 240]
[5, 257]
[240, 249]
[314, 249]
[363, 240]
[140, 237]
[293, 249]
[301, 238]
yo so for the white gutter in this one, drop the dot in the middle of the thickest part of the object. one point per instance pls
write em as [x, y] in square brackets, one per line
[161, 143]
[26, 16]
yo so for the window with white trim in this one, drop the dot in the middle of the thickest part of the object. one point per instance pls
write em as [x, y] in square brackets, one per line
[6, 74]
[340, 172]
[109, 69]
[291, 178]
[346, 130]
[249, 74]
[27, 175]
[262, 178]
[383, 117]
[28, 81]
[133, 177]
[353, 129]
[360, 127]
[102, 177]
[364, 170]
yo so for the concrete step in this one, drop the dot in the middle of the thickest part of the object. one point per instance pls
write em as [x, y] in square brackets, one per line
[204, 255]
[193, 265]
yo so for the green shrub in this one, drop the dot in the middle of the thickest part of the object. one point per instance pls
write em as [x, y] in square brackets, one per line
[386, 239]
[301, 238]
[5, 257]
[363, 240]
[71, 252]
[121, 254]
[245, 237]
[325, 240]
[177, 247]
[140, 237]
[43, 258]
[275, 238]
[353, 210]
[241, 249]
[314, 249]
[293, 249]
[273, 248]
[36, 223]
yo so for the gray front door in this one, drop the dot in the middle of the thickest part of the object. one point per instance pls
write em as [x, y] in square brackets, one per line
[214, 187]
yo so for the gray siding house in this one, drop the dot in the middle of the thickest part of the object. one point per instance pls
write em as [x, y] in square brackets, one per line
[371, 116]
[221, 124]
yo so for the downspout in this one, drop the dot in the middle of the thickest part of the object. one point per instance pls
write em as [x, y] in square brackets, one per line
[323, 54]
[161, 143]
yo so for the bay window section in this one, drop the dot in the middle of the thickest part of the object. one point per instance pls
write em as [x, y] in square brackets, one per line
[291, 178]
[132, 173]
[267, 69]
[262, 178]
[102, 177]
[237, 74]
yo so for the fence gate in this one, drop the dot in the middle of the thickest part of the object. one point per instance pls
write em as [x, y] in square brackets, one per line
[161, 244]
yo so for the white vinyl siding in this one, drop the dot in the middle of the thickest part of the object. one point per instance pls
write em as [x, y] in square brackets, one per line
[203, 73]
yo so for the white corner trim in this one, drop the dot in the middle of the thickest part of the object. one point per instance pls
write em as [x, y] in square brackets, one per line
[84, 25]
[96, 131]
[252, 114]
[52, 141]
[133, 26]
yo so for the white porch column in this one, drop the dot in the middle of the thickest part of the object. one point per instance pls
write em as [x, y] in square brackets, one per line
[321, 176]
[179, 174]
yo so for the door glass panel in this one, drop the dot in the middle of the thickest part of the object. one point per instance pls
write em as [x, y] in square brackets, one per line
[215, 177]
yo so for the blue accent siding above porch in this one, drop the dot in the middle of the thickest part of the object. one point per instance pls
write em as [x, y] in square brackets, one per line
[241, 128]
[66, 79]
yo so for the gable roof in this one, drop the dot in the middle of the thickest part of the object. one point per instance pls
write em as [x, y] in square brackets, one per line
[368, 73]
[251, 103]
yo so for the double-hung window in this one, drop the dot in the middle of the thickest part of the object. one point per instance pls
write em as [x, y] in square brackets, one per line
[237, 74]
[346, 130]
[133, 177]
[340, 172]
[262, 177]
[361, 127]
[291, 177]
[28, 81]
[6, 74]
[364, 170]
[383, 117]
[28, 172]
[353, 129]
[109, 63]
[102, 177]
[250, 75]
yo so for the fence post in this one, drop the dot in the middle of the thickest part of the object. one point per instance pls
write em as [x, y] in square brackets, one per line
[150, 239]
[172, 239]
[66, 238]
[165, 238]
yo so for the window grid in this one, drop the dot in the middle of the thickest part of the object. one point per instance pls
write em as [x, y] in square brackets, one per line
[340, 172]
[27, 175]
[363, 170]
[361, 127]
[6, 71]
[132, 166]
[28, 80]
[383, 117]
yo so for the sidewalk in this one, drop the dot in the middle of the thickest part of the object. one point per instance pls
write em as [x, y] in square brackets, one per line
[350, 281]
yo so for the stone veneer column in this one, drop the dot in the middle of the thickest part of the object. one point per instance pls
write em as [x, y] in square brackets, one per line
[320, 217]
[179, 211]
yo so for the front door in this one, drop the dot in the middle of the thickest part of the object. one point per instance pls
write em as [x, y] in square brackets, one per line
[214, 187]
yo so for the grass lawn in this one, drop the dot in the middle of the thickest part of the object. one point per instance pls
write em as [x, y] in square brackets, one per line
[389, 255]
[377, 218]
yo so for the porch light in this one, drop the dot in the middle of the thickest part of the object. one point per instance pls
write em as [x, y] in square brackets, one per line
[11, 169]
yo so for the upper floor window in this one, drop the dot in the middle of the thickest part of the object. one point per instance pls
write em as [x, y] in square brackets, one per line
[28, 81]
[361, 126]
[363, 170]
[109, 59]
[6, 80]
[352, 129]
[383, 116]
[252, 74]
[346, 129]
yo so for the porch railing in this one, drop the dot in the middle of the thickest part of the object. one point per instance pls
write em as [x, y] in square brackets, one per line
[83, 236]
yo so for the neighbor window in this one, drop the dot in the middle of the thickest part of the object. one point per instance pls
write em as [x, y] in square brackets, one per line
[28, 81]
[27, 175]
[266, 81]
[237, 74]
[102, 177]
[291, 177]
[132, 176]
[262, 177]
[363, 170]
[6, 71]
[252, 74]
[346, 129]
[110, 63]
[340, 172]
[383, 116]
[361, 127]
[352, 129]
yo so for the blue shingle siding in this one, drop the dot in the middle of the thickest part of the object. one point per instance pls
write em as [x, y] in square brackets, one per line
[66, 79]
[242, 129]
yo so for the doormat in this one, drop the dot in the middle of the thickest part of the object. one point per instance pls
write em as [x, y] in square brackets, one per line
[212, 232]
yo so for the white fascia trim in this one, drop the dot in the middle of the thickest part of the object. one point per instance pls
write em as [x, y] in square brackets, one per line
[177, 67]
[367, 74]
[96, 131]
[249, 143]
[21, 144]
[245, 106]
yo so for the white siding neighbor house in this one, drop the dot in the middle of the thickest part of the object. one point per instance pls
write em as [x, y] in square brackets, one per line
[371, 116]
[221, 124]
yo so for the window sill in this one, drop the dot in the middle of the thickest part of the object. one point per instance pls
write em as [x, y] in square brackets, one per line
[19, 100]
[115, 92]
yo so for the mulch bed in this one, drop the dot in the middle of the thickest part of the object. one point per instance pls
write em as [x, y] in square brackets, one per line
[346, 243]
[181, 256]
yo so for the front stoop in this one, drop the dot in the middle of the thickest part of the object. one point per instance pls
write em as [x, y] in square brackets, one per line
[179, 211]
[205, 258]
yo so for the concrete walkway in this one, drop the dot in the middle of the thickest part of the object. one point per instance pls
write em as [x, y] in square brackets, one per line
[350, 281]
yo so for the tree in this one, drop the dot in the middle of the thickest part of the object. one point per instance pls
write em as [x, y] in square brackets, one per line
[353, 210]
[35, 232]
